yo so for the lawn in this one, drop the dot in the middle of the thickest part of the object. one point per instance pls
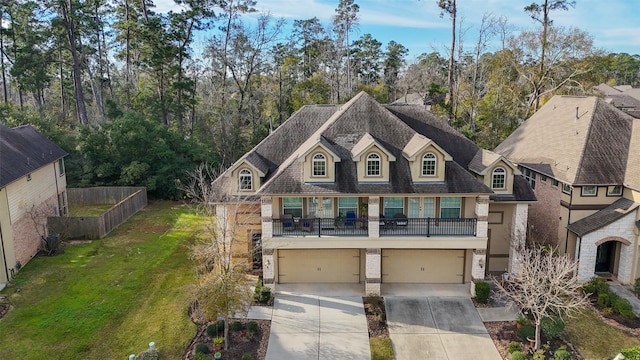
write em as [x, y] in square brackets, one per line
[595, 339]
[108, 298]
[88, 210]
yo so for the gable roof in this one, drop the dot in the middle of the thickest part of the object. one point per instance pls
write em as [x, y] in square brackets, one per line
[577, 140]
[23, 150]
[606, 216]
[349, 129]
[484, 159]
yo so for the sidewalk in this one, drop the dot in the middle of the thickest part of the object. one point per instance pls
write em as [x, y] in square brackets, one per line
[625, 293]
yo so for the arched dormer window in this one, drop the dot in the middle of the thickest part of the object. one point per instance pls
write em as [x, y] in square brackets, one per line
[429, 164]
[373, 165]
[245, 180]
[319, 165]
[498, 178]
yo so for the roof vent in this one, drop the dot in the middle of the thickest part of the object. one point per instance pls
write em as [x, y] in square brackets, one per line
[577, 112]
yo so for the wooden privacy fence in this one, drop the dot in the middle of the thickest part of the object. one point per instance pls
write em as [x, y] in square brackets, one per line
[129, 200]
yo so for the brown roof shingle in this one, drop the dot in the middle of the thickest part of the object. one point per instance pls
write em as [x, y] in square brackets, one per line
[606, 216]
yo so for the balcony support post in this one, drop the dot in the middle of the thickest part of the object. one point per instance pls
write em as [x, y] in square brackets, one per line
[373, 271]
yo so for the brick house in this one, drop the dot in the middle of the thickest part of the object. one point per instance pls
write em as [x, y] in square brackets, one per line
[32, 187]
[581, 156]
[374, 194]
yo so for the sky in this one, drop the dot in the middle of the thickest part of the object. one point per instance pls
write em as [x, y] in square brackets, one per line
[416, 24]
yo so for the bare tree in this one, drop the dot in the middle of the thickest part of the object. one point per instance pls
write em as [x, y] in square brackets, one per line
[221, 289]
[546, 285]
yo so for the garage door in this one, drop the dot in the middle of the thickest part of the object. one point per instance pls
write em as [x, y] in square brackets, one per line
[422, 266]
[319, 266]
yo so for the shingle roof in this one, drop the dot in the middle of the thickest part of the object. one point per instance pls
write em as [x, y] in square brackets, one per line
[482, 160]
[606, 216]
[632, 176]
[578, 140]
[23, 150]
[341, 128]
[606, 89]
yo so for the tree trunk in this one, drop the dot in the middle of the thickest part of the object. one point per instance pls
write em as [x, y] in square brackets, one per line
[83, 119]
[451, 60]
[545, 27]
[4, 75]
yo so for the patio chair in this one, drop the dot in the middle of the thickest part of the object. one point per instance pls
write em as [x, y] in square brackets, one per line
[350, 219]
[287, 222]
[307, 223]
[400, 219]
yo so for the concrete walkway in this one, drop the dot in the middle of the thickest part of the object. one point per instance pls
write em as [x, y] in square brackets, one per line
[313, 326]
[624, 293]
[437, 327]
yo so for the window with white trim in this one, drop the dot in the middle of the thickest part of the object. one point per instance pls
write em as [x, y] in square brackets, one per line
[373, 165]
[393, 206]
[498, 178]
[450, 207]
[429, 207]
[614, 190]
[319, 164]
[61, 167]
[246, 180]
[347, 204]
[312, 206]
[589, 190]
[566, 188]
[429, 164]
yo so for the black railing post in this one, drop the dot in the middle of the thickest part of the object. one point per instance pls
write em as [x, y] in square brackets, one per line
[319, 227]
[428, 227]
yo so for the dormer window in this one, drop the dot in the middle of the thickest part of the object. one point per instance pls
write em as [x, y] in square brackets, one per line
[429, 164]
[373, 164]
[498, 178]
[319, 165]
[246, 180]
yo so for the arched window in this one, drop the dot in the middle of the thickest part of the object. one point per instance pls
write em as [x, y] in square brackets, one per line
[246, 180]
[429, 164]
[498, 178]
[373, 164]
[319, 165]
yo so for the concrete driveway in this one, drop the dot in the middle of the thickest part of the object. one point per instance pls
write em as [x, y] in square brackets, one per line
[313, 326]
[437, 328]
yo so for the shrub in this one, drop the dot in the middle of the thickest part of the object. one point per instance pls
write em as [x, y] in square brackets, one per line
[514, 346]
[246, 356]
[262, 294]
[607, 311]
[631, 353]
[201, 356]
[218, 340]
[623, 307]
[636, 287]
[552, 327]
[237, 326]
[148, 355]
[526, 331]
[596, 286]
[483, 290]
[603, 300]
[539, 355]
[518, 355]
[252, 326]
[523, 320]
[202, 348]
[562, 354]
[215, 329]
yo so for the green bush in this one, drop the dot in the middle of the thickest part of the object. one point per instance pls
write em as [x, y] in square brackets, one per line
[562, 354]
[201, 356]
[252, 326]
[514, 346]
[596, 286]
[483, 290]
[539, 355]
[246, 356]
[623, 307]
[526, 331]
[237, 326]
[603, 300]
[215, 329]
[636, 287]
[523, 320]
[148, 355]
[202, 348]
[262, 294]
[552, 327]
[519, 355]
[631, 353]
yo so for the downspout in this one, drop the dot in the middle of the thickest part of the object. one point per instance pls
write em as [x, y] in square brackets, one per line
[566, 236]
[4, 255]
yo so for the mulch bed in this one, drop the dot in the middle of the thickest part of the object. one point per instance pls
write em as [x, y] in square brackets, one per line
[376, 316]
[239, 341]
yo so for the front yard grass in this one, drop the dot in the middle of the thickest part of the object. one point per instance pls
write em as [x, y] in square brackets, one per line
[106, 299]
[595, 339]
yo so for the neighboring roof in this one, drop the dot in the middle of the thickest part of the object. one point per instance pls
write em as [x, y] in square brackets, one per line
[635, 93]
[632, 176]
[349, 129]
[485, 159]
[606, 89]
[23, 150]
[604, 217]
[577, 140]
[411, 99]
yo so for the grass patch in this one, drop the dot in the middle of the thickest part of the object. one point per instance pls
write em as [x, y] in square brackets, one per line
[381, 348]
[88, 210]
[107, 298]
[594, 338]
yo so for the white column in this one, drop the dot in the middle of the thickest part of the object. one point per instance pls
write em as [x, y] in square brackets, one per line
[518, 236]
[373, 213]
[268, 266]
[482, 216]
[373, 271]
[266, 211]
